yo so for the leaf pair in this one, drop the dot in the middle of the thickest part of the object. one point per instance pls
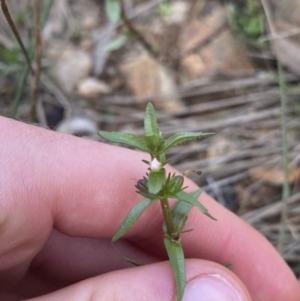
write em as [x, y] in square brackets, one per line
[182, 208]
[153, 141]
[174, 249]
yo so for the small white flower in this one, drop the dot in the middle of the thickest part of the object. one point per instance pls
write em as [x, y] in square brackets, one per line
[155, 165]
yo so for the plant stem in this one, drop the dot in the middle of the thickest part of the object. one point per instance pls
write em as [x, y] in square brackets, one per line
[168, 218]
[14, 29]
[22, 79]
[285, 150]
[285, 155]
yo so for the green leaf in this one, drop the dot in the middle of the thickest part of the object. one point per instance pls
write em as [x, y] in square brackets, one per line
[23, 15]
[176, 257]
[132, 217]
[181, 138]
[156, 180]
[181, 211]
[117, 43]
[153, 142]
[125, 138]
[113, 10]
[189, 198]
[164, 9]
[9, 56]
[133, 262]
[150, 122]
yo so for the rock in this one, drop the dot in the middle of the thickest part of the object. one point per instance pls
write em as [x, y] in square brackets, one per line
[221, 146]
[179, 12]
[56, 21]
[193, 36]
[146, 78]
[78, 126]
[192, 66]
[207, 47]
[274, 176]
[93, 88]
[69, 66]
[90, 22]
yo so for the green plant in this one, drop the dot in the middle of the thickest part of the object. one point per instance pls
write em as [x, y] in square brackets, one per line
[115, 11]
[247, 21]
[34, 52]
[165, 9]
[119, 41]
[157, 185]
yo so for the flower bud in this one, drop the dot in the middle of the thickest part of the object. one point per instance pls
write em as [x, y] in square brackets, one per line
[155, 165]
[142, 185]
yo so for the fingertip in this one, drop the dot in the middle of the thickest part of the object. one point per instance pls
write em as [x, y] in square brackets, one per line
[210, 281]
[206, 281]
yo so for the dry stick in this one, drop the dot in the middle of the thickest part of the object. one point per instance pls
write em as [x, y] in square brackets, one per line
[23, 77]
[196, 9]
[11, 23]
[282, 35]
[138, 35]
[203, 90]
[206, 40]
[269, 210]
[286, 188]
[37, 60]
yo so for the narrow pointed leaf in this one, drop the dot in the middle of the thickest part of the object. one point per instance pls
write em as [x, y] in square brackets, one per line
[184, 207]
[176, 257]
[125, 138]
[132, 217]
[133, 262]
[181, 138]
[181, 211]
[189, 198]
[117, 43]
[153, 142]
[150, 122]
[113, 10]
[156, 180]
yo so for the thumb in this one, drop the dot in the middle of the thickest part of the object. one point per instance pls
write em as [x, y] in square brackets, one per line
[206, 281]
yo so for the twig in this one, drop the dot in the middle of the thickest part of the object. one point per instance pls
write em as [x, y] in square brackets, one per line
[268, 211]
[13, 27]
[37, 60]
[22, 79]
[222, 86]
[281, 35]
[204, 42]
[138, 35]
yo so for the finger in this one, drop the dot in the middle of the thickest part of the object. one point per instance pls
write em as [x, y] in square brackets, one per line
[88, 190]
[206, 281]
[66, 260]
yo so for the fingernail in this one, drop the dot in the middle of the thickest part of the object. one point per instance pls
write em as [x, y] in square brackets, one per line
[211, 288]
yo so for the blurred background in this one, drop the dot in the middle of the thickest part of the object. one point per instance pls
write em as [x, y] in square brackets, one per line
[229, 67]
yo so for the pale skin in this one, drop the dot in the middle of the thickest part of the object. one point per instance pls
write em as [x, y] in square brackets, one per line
[62, 198]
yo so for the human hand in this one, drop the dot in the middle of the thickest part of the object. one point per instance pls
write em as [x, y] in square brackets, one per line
[63, 198]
